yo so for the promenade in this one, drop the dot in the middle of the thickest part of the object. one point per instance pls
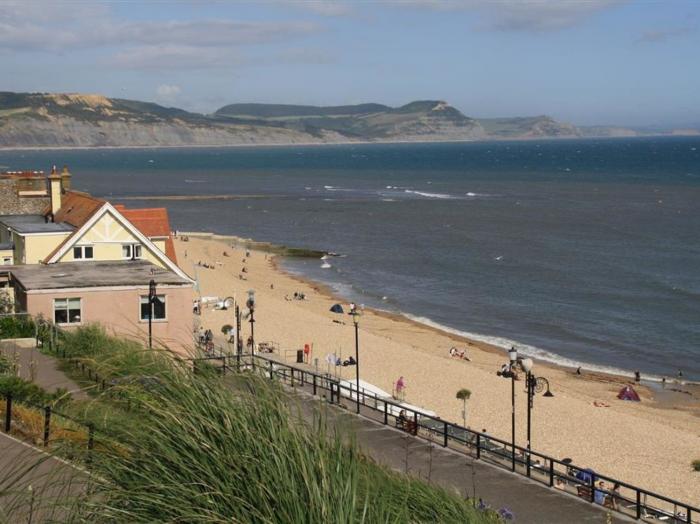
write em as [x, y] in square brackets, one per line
[529, 501]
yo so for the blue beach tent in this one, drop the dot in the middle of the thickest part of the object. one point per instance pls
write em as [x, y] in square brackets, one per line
[337, 308]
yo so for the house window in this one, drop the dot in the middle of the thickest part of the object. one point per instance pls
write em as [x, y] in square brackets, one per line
[131, 251]
[82, 252]
[6, 261]
[158, 308]
[67, 311]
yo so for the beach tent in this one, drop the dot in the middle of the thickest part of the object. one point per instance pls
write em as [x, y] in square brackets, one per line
[628, 393]
[337, 308]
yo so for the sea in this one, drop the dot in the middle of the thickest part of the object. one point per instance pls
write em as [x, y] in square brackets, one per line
[580, 252]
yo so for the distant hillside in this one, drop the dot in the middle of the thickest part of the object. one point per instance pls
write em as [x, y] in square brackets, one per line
[422, 120]
[528, 127]
[87, 120]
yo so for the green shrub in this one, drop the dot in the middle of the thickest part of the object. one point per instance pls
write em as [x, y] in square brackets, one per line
[199, 448]
[24, 391]
[16, 327]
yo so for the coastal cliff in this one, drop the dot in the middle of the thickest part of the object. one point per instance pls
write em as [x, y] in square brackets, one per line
[85, 120]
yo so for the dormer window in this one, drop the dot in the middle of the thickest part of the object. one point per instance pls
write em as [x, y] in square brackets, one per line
[82, 252]
[131, 251]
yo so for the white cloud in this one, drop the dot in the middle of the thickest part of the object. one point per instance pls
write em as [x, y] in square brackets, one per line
[171, 57]
[322, 7]
[165, 90]
[663, 35]
[521, 15]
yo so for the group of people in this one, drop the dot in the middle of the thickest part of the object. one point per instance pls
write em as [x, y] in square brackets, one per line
[459, 353]
[206, 339]
[296, 296]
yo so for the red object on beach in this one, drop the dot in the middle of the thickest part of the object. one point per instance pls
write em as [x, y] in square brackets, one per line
[628, 393]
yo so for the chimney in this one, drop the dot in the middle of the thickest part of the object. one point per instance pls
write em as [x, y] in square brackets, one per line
[55, 190]
[65, 179]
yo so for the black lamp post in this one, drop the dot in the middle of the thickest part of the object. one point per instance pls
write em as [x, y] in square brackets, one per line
[151, 300]
[513, 356]
[239, 344]
[534, 385]
[251, 309]
[228, 302]
[356, 321]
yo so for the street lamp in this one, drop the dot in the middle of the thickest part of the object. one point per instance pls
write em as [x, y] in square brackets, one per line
[151, 299]
[251, 309]
[508, 370]
[356, 321]
[513, 356]
[239, 343]
[534, 385]
[227, 303]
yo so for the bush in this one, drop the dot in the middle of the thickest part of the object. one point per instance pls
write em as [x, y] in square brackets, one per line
[200, 450]
[16, 327]
[696, 465]
[25, 391]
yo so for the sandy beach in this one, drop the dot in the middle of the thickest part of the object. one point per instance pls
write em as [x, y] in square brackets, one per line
[649, 443]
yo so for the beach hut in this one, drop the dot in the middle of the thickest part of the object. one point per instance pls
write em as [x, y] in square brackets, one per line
[337, 308]
[628, 393]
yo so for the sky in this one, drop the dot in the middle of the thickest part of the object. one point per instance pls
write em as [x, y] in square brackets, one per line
[624, 62]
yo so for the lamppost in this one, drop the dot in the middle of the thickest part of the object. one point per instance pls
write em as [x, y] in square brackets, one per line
[506, 371]
[356, 321]
[513, 356]
[534, 385]
[239, 343]
[227, 303]
[151, 299]
[251, 311]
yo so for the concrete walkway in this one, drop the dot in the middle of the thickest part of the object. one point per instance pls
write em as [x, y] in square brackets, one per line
[44, 368]
[530, 501]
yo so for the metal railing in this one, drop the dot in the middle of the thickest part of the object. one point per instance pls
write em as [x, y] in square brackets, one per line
[61, 423]
[619, 496]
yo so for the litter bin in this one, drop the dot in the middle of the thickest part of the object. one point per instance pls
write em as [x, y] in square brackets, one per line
[300, 356]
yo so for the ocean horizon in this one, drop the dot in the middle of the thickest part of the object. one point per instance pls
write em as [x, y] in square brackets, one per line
[577, 251]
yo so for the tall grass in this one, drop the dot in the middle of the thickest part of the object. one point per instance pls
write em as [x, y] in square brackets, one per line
[203, 451]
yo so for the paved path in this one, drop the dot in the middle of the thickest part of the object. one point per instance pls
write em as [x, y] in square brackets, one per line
[45, 368]
[530, 501]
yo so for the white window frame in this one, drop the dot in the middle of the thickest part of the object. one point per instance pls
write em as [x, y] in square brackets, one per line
[67, 308]
[163, 298]
[132, 248]
[82, 249]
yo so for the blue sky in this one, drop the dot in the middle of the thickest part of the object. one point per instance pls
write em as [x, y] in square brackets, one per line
[584, 61]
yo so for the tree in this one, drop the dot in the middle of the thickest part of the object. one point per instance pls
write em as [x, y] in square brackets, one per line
[463, 395]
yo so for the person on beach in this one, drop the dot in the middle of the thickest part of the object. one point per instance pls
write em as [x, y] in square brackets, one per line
[400, 387]
[637, 376]
[578, 370]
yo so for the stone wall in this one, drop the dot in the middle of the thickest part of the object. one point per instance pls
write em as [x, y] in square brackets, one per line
[11, 203]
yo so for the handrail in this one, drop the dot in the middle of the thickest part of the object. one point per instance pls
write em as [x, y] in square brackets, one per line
[482, 442]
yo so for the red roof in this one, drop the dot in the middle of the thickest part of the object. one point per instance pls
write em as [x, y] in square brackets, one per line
[152, 222]
[76, 208]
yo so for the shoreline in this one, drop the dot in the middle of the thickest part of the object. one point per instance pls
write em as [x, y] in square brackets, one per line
[583, 420]
[590, 370]
[599, 370]
[338, 143]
